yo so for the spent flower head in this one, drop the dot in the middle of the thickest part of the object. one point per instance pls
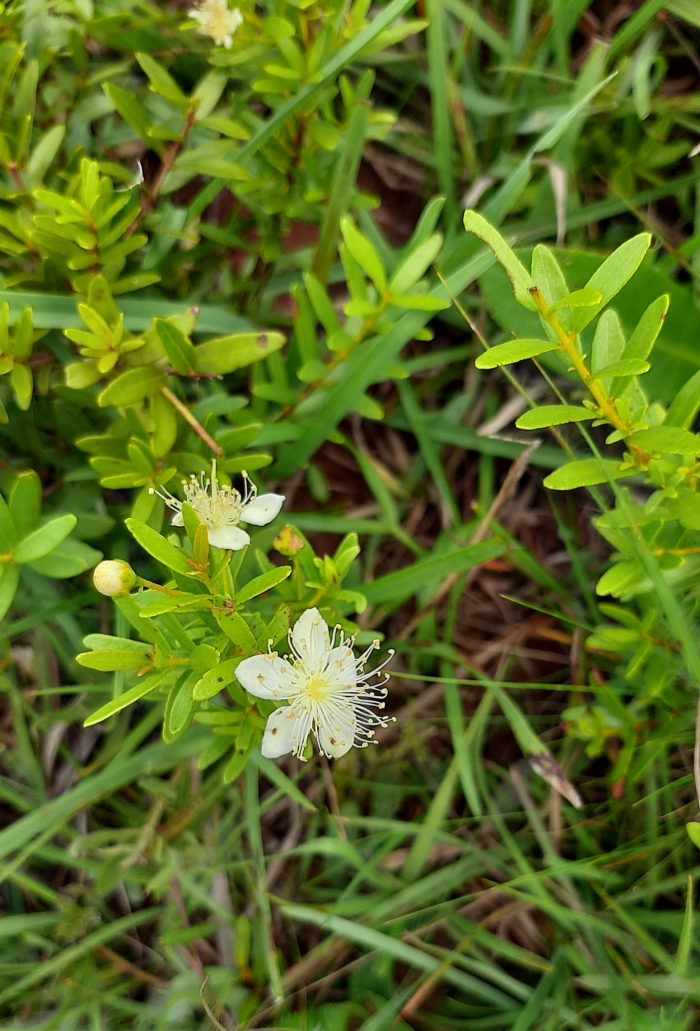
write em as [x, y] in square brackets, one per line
[222, 508]
[217, 20]
[327, 688]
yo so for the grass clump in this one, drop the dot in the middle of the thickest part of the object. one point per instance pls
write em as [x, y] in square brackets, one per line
[384, 319]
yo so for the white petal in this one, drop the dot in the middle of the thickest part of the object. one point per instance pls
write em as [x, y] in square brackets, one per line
[311, 640]
[341, 669]
[262, 510]
[177, 520]
[336, 730]
[267, 676]
[282, 733]
[230, 538]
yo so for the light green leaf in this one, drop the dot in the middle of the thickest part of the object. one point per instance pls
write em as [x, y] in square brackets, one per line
[587, 472]
[43, 154]
[625, 367]
[225, 354]
[686, 404]
[523, 284]
[262, 583]
[44, 539]
[364, 254]
[585, 298]
[158, 547]
[666, 440]
[134, 115]
[131, 387]
[513, 351]
[553, 415]
[162, 82]
[611, 276]
[215, 679]
[181, 354]
[25, 502]
[415, 264]
[70, 558]
[9, 581]
[112, 659]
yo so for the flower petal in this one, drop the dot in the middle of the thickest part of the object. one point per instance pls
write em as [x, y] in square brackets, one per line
[262, 510]
[267, 676]
[283, 733]
[229, 538]
[336, 730]
[342, 670]
[177, 519]
[311, 640]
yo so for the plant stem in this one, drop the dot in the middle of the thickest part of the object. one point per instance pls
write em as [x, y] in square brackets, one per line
[192, 421]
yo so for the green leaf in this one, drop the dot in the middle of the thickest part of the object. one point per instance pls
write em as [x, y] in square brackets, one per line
[131, 387]
[585, 298]
[134, 115]
[587, 472]
[415, 264]
[140, 690]
[225, 354]
[9, 583]
[553, 415]
[523, 284]
[44, 539]
[693, 831]
[608, 344]
[214, 680]
[262, 583]
[100, 642]
[548, 276]
[161, 82]
[181, 354]
[647, 329]
[158, 547]
[43, 154]
[112, 659]
[238, 631]
[666, 440]
[418, 302]
[70, 558]
[364, 254]
[625, 367]
[179, 706]
[25, 502]
[611, 276]
[686, 404]
[513, 351]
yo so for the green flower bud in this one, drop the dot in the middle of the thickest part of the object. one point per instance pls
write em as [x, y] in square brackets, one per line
[114, 578]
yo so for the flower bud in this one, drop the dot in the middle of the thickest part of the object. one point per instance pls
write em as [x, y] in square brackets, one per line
[288, 543]
[114, 578]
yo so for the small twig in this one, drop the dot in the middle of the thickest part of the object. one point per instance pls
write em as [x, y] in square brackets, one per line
[194, 423]
[166, 164]
[207, 1010]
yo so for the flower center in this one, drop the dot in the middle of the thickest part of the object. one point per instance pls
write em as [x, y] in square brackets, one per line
[316, 688]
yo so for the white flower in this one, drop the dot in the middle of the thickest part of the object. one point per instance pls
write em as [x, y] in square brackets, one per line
[114, 578]
[216, 20]
[327, 691]
[221, 509]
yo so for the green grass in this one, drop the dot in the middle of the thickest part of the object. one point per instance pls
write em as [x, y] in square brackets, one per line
[436, 881]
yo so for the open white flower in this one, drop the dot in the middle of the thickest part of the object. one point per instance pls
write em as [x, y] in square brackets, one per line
[326, 687]
[217, 20]
[221, 509]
